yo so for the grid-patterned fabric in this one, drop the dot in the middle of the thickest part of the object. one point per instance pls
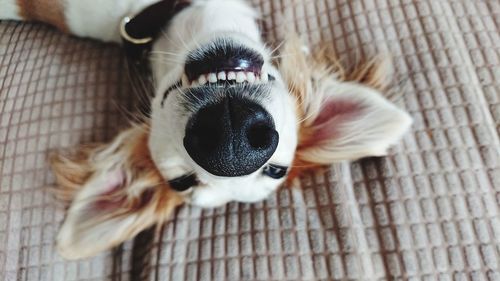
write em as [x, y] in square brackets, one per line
[429, 211]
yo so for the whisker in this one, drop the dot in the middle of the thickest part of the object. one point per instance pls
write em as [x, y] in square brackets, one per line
[165, 53]
[165, 60]
[142, 87]
[277, 47]
[181, 40]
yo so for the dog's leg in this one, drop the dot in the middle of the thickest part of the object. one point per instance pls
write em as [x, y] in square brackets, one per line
[98, 19]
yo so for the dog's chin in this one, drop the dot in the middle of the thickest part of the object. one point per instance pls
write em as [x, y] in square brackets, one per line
[217, 192]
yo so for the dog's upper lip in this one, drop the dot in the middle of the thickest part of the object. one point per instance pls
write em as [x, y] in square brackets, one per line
[222, 57]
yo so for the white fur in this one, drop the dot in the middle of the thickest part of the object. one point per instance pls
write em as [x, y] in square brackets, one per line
[100, 19]
[9, 10]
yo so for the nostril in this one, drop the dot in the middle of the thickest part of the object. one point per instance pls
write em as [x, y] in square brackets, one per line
[259, 136]
[205, 131]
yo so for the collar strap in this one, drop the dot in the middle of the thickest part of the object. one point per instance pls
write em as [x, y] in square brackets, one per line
[138, 32]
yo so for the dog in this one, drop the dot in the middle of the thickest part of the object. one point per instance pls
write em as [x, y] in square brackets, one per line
[228, 122]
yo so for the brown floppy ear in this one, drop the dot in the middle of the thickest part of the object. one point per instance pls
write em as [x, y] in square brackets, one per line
[117, 192]
[344, 115]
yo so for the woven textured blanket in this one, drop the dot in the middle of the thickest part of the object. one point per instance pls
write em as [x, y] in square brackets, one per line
[428, 211]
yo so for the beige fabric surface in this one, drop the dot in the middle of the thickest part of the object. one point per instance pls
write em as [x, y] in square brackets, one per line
[428, 211]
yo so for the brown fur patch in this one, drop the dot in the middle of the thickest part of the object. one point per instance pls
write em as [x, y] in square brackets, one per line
[73, 170]
[48, 11]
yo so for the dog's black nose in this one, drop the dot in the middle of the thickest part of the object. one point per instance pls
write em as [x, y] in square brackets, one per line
[233, 137]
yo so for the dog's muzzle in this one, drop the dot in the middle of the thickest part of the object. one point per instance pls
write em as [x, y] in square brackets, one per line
[229, 133]
[233, 137]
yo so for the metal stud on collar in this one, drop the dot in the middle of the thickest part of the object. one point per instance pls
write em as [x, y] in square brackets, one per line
[126, 36]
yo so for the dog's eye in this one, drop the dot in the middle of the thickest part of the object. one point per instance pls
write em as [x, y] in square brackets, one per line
[275, 171]
[183, 183]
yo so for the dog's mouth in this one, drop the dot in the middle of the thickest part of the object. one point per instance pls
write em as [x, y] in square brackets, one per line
[223, 63]
[221, 66]
[224, 77]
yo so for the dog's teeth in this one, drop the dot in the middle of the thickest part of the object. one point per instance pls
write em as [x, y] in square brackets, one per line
[221, 75]
[264, 77]
[241, 77]
[231, 75]
[250, 77]
[212, 78]
[202, 80]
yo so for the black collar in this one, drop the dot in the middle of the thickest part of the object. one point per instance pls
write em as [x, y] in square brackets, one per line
[138, 32]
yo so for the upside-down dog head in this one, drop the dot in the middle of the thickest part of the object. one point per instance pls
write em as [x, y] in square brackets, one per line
[115, 192]
[236, 121]
[223, 125]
